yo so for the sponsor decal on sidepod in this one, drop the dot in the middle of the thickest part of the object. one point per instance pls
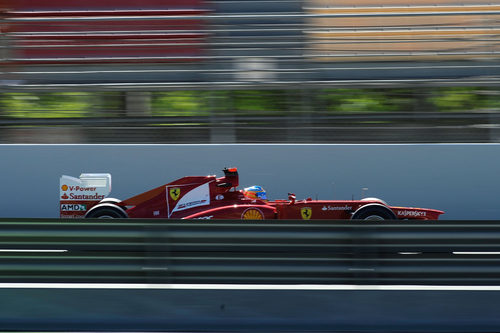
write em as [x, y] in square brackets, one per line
[337, 208]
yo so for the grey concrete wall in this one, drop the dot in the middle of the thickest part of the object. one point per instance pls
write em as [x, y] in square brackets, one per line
[461, 179]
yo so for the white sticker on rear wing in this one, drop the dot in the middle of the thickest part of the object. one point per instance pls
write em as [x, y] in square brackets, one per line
[77, 195]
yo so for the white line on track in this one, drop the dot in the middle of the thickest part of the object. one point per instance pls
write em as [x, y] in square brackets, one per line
[476, 253]
[267, 287]
[33, 251]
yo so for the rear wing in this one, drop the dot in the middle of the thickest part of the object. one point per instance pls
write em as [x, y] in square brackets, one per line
[78, 195]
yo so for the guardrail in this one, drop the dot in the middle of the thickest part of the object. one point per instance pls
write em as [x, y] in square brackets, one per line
[314, 127]
[284, 252]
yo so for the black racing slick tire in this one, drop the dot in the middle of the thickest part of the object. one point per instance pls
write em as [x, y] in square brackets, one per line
[373, 213]
[106, 211]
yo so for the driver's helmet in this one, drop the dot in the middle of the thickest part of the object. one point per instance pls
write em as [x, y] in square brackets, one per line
[255, 192]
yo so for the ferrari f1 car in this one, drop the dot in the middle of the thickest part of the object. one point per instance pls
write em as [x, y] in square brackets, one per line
[209, 197]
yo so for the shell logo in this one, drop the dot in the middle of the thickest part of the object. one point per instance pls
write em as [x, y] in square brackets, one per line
[252, 214]
[64, 187]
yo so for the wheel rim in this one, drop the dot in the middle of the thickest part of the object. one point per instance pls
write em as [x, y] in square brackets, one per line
[105, 217]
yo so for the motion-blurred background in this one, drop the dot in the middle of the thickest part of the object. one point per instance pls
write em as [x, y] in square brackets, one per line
[194, 71]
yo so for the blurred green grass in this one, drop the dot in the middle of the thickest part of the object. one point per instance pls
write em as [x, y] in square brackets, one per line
[251, 102]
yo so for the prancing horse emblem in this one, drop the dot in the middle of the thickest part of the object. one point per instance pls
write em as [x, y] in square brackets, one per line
[306, 213]
[175, 192]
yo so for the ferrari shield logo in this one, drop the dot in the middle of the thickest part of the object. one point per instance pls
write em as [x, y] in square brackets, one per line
[306, 213]
[175, 192]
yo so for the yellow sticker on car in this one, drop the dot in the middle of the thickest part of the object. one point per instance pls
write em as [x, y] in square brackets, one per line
[306, 213]
[175, 193]
[252, 214]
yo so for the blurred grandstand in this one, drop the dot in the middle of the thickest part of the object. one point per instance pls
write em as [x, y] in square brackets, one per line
[193, 71]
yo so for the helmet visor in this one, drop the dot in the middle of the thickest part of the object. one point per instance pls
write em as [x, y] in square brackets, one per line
[261, 195]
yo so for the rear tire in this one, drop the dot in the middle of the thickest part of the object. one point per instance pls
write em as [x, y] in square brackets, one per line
[110, 200]
[106, 211]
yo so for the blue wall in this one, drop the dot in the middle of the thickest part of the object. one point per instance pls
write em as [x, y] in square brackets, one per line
[461, 179]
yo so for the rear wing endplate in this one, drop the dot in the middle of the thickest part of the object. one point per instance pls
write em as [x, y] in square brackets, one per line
[78, 195]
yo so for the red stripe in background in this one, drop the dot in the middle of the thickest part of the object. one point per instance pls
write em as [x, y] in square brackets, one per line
[61, 5]
[106, 26]
[170, 36]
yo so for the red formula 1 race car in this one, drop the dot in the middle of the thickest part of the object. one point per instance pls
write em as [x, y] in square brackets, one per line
[209, 197]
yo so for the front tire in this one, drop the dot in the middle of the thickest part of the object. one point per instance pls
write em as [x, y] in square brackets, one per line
[373, 213]
[106, 211]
